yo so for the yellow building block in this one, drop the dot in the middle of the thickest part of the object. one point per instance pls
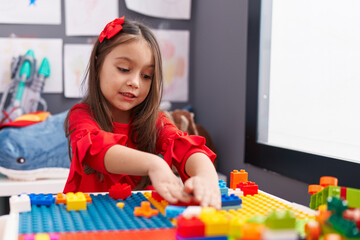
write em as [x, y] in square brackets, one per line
[235, 226]
[75, 201]
[41, 236]
[216, 223]
[120, 205]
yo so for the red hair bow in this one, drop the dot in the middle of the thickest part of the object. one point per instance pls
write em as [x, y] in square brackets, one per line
[111, 29]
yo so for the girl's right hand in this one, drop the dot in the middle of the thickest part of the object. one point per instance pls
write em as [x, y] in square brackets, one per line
[166, 183]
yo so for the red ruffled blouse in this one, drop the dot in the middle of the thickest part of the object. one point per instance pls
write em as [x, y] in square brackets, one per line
[89, 144]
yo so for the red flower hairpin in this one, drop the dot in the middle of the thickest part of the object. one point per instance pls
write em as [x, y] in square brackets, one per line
[111, 29]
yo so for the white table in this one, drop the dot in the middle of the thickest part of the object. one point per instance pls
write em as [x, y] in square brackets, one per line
[10, 187]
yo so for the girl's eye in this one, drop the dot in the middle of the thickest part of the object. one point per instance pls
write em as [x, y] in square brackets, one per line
[123, 69]
[147, 76]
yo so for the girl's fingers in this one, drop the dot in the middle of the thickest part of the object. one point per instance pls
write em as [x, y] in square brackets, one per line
[189, 186]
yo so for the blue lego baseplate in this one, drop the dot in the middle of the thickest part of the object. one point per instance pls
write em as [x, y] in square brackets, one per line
[101, 215]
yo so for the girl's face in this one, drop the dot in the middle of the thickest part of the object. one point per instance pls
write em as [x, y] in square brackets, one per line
[126, 76]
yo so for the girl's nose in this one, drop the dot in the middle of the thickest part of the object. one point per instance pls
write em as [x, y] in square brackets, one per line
[134, 81]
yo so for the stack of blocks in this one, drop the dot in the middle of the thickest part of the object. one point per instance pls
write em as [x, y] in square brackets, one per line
[245, 214]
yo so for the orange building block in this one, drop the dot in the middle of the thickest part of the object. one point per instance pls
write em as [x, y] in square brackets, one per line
[253, 231]
[328, 181]
[60, 198]
[237, 177]
[145, 210]
[314, 189]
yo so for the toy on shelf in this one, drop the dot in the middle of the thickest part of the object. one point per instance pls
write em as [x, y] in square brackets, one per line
[23, 92]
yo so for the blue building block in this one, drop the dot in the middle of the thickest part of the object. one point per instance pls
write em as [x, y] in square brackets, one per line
[101, 215]
[172, 211]
[230, 200]
[223, 188]
[41, 199]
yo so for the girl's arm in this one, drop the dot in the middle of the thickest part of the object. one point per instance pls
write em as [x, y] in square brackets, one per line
[203, 182]
[123, 160]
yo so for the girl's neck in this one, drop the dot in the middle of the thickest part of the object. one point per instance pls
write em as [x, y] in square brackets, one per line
[123, 117]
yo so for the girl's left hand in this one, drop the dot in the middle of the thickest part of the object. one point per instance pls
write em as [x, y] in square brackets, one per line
[206, 191]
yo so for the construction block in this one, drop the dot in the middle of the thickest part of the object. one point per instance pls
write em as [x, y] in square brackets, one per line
[332, 236]
[185, 204]
[222, 186]
[203, 238]
[41, 199]
[248, 188]
[120, 205]
[190, 227]
[75, 201]
[312, 189]
[312, 230]
[155, 195]
[236, 192]
[328, 181]
[160, 205]
[235, 227]
[54, 236]
[336, 205]
[120, 191]
[60, 198]
[353, 197]
[145, 210]
[102, 215]
[232, 207]
[280, 220]
[216, 223]
[172, 211]
[88, 198]
[20, 203]
[253, 231]
[41, 236]
[230, 200]
[27, 237]
[320, 197]
[237, 177]
[343, 226]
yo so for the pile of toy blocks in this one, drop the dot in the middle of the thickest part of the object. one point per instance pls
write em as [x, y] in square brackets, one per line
[338, 212]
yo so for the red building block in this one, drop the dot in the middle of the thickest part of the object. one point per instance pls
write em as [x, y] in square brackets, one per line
[248, 188]
[155, 195]
[120, 191]
[192, 227]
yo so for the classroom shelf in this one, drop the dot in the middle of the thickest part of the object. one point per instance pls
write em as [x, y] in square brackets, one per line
[10, 187]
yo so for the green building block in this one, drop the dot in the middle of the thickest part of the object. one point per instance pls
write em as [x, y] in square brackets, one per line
[353, 197]
[320, 198]
[336, 205]
[280, 220]
[343, 226]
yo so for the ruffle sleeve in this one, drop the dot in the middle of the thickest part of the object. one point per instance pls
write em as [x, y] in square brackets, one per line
[89, 143]
[177, 146]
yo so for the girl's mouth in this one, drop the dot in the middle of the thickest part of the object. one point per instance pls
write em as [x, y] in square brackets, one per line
[127, 94]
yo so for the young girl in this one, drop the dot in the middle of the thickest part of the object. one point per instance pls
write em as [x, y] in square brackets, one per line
[117, 132]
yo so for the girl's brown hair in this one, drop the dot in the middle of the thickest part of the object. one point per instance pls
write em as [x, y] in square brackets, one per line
[145, 115]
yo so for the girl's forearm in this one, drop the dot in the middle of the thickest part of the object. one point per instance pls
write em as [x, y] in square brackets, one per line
[124, 160]
[198, 164]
